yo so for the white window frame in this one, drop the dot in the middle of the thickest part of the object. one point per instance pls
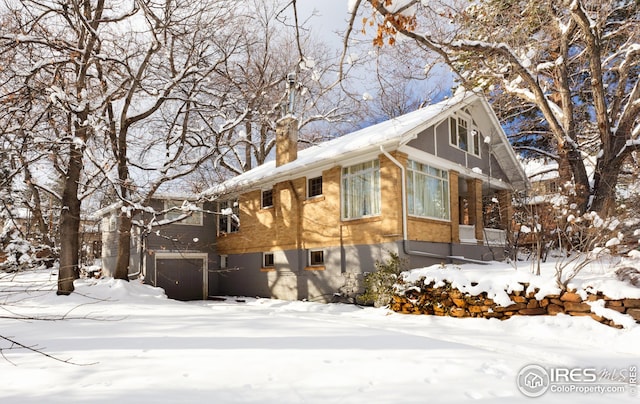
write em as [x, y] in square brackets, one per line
[224, 261]
[473, 135]
[371, 170]
[195, 219]
[422, 174]
[310, 253]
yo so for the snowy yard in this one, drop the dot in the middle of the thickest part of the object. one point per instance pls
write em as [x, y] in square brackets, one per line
[132, 345]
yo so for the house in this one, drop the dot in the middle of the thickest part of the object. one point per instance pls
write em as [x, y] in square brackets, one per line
[433, 186]
[174, 250]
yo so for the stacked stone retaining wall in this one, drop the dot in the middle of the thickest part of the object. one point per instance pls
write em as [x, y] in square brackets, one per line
[448, 301]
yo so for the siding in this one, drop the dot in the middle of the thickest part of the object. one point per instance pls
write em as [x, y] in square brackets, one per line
[179, 238]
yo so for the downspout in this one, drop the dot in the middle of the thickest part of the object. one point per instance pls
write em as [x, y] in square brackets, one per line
[405, 235]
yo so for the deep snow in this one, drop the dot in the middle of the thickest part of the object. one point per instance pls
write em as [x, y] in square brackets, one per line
[135, 346]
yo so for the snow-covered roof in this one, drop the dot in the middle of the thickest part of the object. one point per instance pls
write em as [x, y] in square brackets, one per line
[540, 169]
[389, 134]
[164, 196]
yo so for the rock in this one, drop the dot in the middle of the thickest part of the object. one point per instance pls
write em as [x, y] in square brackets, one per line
[457, 312]
[459, 302]
[578, 313]
[613, 303]
[554, 309]
[532, 304]
[577, 307]
[635, 313]
[519, 299]
[533, 311]
[619, 309]
[511, 307]
[478, 309]
[631, 303]
[571, 297]
[544, 302]
[455, 294]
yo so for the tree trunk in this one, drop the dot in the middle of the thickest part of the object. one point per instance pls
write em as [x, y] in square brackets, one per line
[124, 247]
[70, 226]
[604, 185]
[571, 169]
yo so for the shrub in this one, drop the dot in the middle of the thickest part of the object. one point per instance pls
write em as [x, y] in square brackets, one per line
[379, 285]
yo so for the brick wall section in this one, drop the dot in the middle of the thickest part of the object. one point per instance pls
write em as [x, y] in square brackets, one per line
[448, 301]
[297, 222]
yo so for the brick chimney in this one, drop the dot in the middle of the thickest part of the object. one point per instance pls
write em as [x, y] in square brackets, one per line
[286, 140]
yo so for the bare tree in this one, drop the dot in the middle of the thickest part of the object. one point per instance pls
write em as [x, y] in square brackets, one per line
[576, 63]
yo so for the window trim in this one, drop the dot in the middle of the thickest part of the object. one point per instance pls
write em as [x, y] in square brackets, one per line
[346, 175]
[262, 198]
[444, 184]
[473, 134]
[310, 260]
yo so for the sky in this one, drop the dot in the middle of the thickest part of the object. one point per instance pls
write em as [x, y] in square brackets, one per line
[329, 20]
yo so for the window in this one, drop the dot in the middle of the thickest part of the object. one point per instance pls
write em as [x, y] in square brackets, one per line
[463, 138]
[427, 191]
[475, 142]
[267, 260]
[316, 257]
[267, 198]
[110, 223]
[176, 209]
[223, 261]
[315, 187]
[361, 190]
[458, 129]
[228, 218]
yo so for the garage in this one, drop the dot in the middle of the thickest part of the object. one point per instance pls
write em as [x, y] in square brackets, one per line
[182, 276]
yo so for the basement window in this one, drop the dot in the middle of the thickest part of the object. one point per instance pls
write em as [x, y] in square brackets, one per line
[316, 257]
[267, 260]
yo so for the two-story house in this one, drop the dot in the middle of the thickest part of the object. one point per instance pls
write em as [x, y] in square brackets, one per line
[312, 222]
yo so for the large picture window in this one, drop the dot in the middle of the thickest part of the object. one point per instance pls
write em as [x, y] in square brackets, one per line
[427, 191]
[361, 190]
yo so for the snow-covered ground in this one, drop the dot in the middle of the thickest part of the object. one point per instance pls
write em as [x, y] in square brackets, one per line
[132, 345]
